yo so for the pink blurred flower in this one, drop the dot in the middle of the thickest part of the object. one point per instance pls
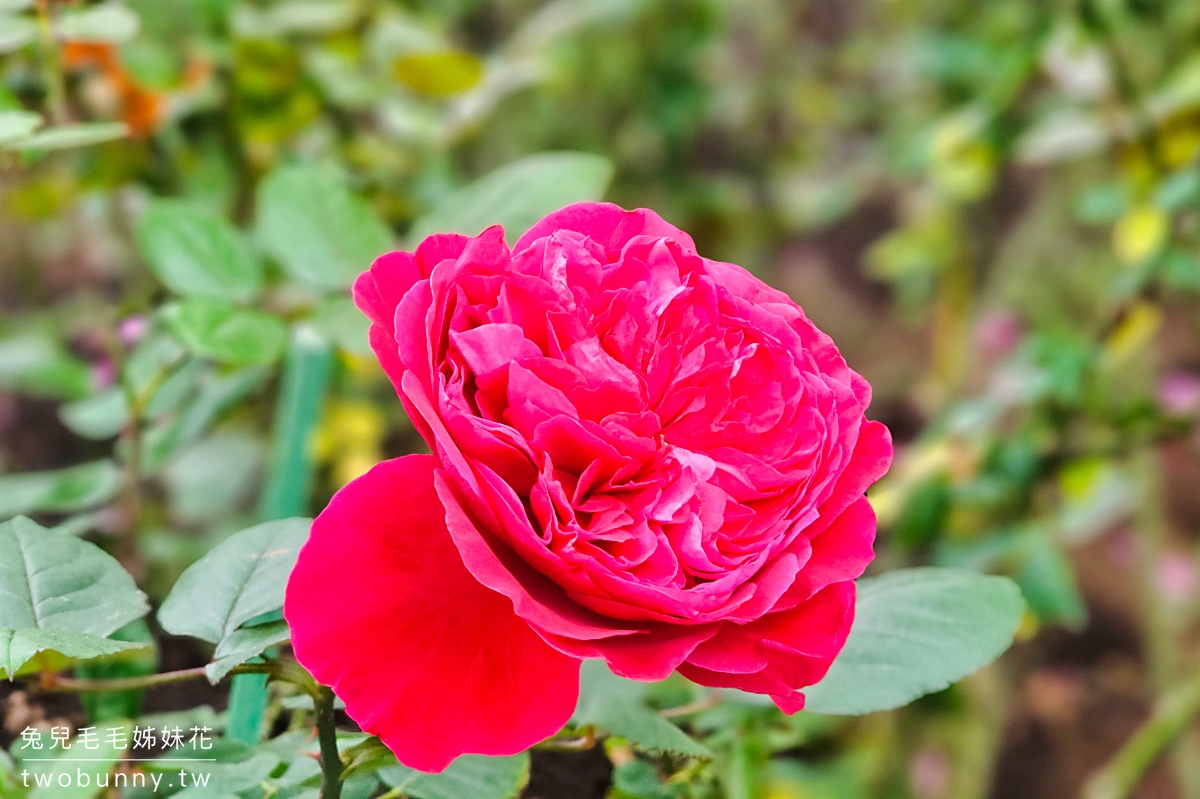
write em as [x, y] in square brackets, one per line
[1176, 577]
[131, 329]
[1179, 392]
[997, 333]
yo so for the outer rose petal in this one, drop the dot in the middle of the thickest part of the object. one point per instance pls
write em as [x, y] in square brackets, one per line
[609, 225]
[780, 653]
[383, 610]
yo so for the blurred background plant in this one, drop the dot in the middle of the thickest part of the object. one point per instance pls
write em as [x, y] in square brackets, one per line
[991, 207]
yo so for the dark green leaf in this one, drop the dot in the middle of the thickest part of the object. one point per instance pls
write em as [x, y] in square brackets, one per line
[243, 644]
[242, 577]
[54, 586]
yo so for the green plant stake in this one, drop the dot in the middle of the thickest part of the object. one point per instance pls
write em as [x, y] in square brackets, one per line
[289, 478]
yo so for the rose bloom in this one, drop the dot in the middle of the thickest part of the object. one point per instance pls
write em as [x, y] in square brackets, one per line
[639, 455]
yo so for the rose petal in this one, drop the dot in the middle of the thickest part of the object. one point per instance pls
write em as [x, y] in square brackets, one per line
[382, 609]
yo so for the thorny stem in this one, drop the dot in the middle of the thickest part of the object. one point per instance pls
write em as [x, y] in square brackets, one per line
[331, 761]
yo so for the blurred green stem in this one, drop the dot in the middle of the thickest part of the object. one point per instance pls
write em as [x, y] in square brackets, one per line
[1172, 717]
[301, 397]
[331, 761]
[1163, 643]
[52, 74]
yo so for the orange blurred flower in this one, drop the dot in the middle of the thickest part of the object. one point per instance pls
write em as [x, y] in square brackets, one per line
[140, 108]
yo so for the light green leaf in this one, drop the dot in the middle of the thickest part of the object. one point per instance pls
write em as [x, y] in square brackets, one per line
[242, 577]
[108, 22]
[59, 491]
[15, 124]
[52, 581]
[616, 705]
[195, 252]
[100, 761]
[242, 645]
[15, 33]
[99, 416]
[17, 647]
[67, 136]
[518, 194]
[214, 329]
[341, 322]
[322, 234]
[917, 631]
[30, 364]
[468, 777]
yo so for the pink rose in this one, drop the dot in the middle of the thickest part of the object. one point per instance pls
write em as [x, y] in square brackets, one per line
[640, 455]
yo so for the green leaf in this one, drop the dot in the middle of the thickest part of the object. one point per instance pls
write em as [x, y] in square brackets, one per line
[518, 194]
[468, 777]
[17, 647]
[195, 252]
[16, 124]
[68, 136]
[617, 706]
[340, 321]
[31, 364]
[15, 33]
[99, 416]
[321, 233]
[1179, 190]
[1047, 582]
[213, 329]
[242, 577]
[59, 491]
[213, 477]
[242, 645]
[108, 22]
[65, 762]
[103, 706]
[366, 757]
[52, 583]
[917, 631]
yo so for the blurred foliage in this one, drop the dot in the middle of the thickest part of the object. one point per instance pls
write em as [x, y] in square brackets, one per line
[993, 207]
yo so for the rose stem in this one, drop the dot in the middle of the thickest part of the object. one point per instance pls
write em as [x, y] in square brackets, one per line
[53, 682]
[331, 761]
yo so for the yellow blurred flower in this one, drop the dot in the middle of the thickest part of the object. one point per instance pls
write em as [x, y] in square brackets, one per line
[1140, 233]
[350, 439]
[1136, 330]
